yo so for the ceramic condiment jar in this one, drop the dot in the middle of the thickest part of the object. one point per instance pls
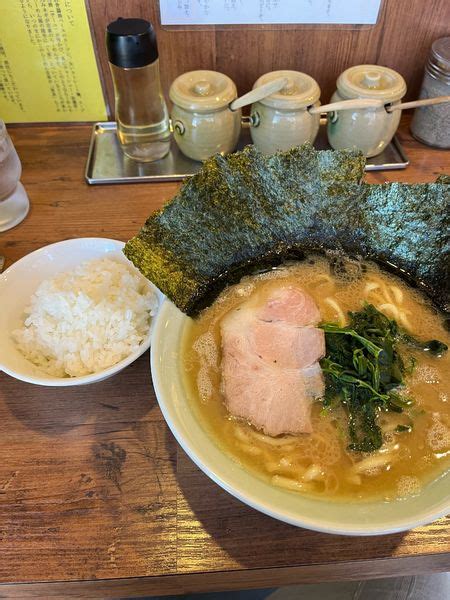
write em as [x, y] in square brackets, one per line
[282, 120]
[202, 120]
[369, 129]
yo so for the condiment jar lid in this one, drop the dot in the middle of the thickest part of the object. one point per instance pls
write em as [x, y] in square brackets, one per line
[371, 81]
[301, 90]
[439, 60]
[202, 91]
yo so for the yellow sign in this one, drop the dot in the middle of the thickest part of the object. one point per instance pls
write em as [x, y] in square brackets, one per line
[47, 63]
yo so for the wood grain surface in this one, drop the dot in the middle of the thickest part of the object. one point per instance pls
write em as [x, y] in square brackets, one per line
[401, 40]
[94, 490]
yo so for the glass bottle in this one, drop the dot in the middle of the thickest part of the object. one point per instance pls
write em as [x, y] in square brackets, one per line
[431, 124]
[141, 112]
[14, 203]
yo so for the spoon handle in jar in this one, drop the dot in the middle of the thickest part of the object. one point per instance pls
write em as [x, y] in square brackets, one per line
[259, 93]
[346, 105]
[415, 103]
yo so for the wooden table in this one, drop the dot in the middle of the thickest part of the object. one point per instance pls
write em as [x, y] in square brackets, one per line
[96, 497]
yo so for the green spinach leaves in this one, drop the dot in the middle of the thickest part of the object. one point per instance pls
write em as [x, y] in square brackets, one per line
[364, 371]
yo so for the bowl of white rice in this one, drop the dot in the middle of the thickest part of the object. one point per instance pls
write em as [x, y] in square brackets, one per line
[73, 313]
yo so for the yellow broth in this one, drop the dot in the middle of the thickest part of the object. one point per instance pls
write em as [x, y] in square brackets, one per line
[320, 463]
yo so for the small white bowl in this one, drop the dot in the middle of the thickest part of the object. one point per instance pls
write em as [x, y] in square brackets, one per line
[20, 281]
[346, 518]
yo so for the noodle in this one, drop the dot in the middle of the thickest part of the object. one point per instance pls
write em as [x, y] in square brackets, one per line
[389, 309]
[251, 450]
[404, 320]
[313, 472]
[398, 294]
[272, 441]
[372, 285]
[338, 309]
[372, 462]
[387, 295]
[286, 467]
[288, 483]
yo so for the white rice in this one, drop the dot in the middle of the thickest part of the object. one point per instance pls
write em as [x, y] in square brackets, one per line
[86, 320]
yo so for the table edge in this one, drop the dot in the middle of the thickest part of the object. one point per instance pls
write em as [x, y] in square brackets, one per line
[231, 580]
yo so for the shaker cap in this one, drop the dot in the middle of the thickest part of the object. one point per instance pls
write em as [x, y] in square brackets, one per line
[371, 81]
[301, 90]
[439, 61]
[202, 91]
[131, 43]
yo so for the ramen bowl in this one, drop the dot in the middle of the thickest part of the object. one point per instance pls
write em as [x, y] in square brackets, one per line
[337, 517]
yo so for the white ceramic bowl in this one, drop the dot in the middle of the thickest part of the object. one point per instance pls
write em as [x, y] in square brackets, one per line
[18, 283]
[371, 518]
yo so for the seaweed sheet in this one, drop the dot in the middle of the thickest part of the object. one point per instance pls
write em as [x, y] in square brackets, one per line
[250, 210]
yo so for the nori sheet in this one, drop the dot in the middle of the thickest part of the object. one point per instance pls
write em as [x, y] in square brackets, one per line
[249, 210]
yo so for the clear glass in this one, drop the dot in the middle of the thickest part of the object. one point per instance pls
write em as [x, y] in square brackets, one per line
[141, 112]
[14, 203]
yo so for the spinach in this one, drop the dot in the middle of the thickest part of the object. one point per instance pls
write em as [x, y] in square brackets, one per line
[364, 372]
[434, 347]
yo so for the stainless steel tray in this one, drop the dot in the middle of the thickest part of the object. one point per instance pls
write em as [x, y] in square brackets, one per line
[107, 164]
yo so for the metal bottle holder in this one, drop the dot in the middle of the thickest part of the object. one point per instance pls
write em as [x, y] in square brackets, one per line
[107, 164]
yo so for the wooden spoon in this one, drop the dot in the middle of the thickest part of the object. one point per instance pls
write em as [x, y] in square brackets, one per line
[259, 93]
[415, 103]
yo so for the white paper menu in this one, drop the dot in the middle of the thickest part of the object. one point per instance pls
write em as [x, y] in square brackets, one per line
[263, 12]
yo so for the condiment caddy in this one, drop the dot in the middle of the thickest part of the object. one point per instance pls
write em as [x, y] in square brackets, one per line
[206, 116]
[107, 164]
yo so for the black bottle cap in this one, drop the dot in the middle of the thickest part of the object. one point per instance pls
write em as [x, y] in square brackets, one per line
[131, 43]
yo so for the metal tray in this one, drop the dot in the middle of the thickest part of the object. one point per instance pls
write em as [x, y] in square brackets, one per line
[107, 164]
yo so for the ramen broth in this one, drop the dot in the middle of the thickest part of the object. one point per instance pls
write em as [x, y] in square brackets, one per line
[320, 463]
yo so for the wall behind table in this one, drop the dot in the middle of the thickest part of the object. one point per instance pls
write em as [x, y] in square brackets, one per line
[401, 40]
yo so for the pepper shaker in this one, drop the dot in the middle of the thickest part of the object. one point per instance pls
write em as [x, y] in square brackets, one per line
[431, 124]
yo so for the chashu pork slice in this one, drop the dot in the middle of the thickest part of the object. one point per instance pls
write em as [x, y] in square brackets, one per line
[290, 305]
[270, 354]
